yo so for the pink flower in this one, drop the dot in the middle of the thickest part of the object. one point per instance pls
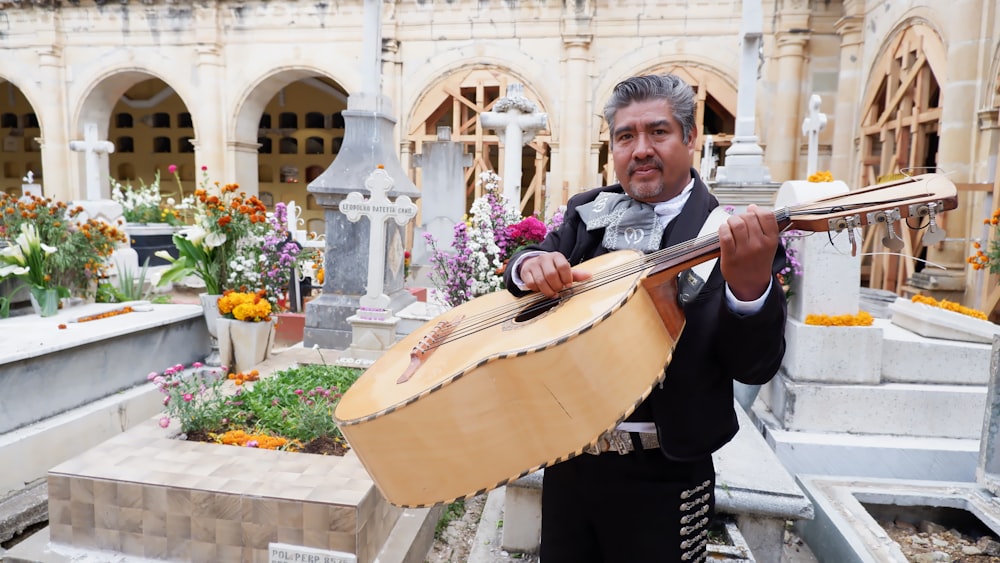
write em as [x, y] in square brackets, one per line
[172, 168]
[204, 168]
[252, 444]
[151, 375]
[197, 365]
[164, 422]
[166, 400]
[188, 397]
[298, 391]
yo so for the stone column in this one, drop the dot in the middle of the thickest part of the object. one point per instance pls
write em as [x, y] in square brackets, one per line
[981, 284]
[210, 137]
[845, 116]
[574, 126]
[59, 183]
[241, 165]
[783, 135]
[956, 131]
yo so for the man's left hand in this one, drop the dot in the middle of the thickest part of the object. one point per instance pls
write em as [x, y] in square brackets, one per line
[748, 242]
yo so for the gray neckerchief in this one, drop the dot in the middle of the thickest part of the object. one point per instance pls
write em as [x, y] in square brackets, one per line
[628, 223]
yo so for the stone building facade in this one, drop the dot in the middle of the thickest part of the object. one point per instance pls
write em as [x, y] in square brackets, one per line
[251, 91]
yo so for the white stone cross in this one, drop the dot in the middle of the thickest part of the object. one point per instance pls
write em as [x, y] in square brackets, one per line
[515, 119]
[29, 187]
[378, 209]
[811, 126]
[92, 149]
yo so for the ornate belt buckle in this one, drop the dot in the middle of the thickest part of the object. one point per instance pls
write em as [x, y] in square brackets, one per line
[619, 442]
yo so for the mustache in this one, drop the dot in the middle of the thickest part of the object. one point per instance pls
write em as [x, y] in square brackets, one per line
[651, 161]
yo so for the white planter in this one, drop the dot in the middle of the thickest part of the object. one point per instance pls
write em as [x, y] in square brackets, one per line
[242, 344]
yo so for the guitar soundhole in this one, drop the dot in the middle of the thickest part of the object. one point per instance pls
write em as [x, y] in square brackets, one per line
[537, 310]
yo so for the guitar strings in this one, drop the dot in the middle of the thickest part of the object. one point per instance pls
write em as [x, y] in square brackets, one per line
[682, 252]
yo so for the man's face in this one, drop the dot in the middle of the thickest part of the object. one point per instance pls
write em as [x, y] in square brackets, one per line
[652, 161]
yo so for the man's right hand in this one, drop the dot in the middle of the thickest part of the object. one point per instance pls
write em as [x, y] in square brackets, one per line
[549, 273]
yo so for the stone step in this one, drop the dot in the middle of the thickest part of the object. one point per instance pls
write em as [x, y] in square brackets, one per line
[869, 455]
[899, 409]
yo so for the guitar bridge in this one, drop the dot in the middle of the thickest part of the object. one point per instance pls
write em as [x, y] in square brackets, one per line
[427, 345]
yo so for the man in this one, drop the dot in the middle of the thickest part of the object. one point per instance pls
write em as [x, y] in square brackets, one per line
[647, 494]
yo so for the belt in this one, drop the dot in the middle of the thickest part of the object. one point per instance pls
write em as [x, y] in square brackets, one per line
[621, 441]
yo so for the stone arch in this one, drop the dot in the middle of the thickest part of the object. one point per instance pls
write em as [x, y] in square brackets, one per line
[900, 121]
[456, 101]
[100, 98]
[19, 149]
[249, 108]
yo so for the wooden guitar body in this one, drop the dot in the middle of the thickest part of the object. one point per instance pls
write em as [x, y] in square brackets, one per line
[533, 401]
[489, 392]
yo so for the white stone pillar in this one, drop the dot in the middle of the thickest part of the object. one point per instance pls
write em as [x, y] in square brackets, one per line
[958, 126]
[575, 126]
[56, 160]
[210, 137]
[843, 164]
[783, 133]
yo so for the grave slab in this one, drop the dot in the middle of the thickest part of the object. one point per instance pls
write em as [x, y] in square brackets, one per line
[144, 494]
[844, 530]
[74, 363]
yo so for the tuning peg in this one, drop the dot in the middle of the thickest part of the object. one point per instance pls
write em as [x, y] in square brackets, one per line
[849, 222]
[934, 234]
[891, 240]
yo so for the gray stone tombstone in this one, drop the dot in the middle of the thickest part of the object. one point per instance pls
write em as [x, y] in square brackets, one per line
[443, 163]
[368, 144]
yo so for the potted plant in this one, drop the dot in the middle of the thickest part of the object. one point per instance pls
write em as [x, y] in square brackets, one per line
[49, 246]
[150, 219]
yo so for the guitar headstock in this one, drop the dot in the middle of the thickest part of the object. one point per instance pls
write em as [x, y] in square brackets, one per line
[920, 196]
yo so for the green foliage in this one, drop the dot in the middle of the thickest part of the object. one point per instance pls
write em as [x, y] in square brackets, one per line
[297, 403]
[453, 511]
[132, 287]
[194, 397]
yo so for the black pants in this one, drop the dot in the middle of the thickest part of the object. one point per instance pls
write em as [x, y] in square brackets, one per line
[634, 508]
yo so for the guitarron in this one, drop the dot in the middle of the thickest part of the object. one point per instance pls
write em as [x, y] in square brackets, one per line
[499, 387]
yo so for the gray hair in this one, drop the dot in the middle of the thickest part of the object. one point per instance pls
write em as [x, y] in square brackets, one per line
[669, 87]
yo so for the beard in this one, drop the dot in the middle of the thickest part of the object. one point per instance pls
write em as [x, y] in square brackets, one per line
[645, 190]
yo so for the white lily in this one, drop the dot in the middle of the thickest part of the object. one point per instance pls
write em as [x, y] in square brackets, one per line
[195, 234]
[164, 254]
[13, 254]
[215, 240]
[12, 270]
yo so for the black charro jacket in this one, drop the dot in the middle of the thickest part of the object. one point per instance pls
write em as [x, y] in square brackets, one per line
[693, 409]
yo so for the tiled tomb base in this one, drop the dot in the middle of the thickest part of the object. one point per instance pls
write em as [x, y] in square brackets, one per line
[145, 494]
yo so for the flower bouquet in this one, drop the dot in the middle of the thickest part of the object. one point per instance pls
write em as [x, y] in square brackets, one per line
[51, 247]
[482, 246]
[226, 223]
[145, 204]
[245, 331]
[27, 259]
